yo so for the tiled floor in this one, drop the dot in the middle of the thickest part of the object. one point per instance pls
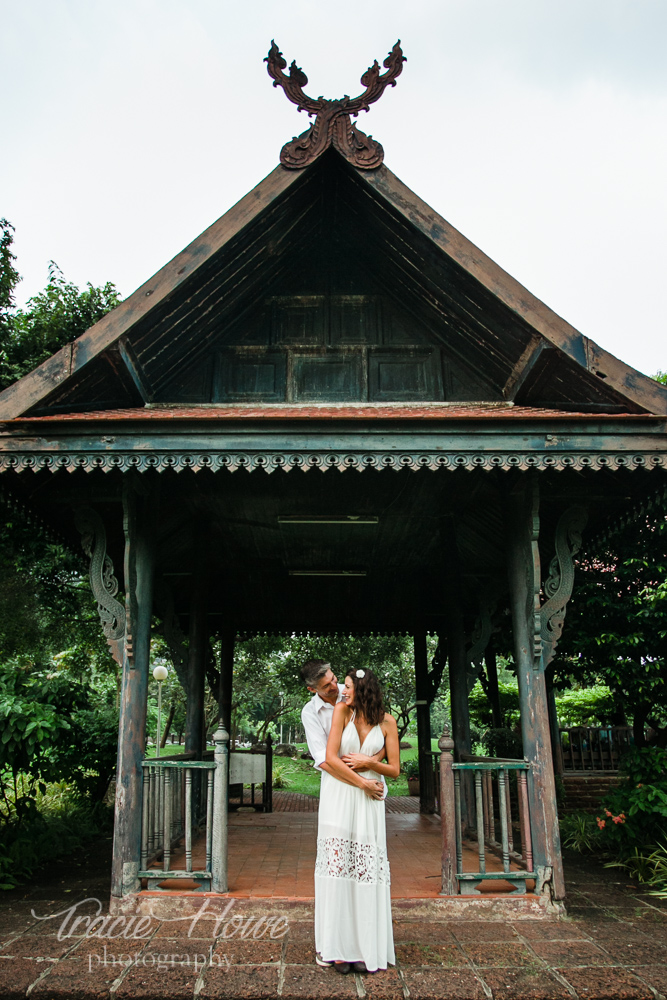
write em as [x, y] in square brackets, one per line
[612, 946]
[273, 855]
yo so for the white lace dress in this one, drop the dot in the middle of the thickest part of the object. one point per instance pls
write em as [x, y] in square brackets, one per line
[352, 885]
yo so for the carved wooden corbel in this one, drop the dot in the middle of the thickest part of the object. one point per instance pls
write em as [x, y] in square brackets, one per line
[103, 582]
[333, 125]
[560, 581]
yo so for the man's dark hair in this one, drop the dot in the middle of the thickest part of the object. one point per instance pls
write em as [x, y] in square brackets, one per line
[313, 670]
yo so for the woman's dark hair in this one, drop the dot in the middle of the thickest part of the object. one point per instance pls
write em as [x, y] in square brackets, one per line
[368, 696]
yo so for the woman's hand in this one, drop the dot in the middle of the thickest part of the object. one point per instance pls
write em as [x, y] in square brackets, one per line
[374, 789]
[358, 761]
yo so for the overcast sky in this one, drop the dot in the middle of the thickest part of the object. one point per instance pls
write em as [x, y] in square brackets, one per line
[536, 127]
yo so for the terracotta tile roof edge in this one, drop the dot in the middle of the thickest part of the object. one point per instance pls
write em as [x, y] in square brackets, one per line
[328, 411]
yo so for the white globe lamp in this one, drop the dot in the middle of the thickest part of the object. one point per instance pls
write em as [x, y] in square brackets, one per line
[160, 674]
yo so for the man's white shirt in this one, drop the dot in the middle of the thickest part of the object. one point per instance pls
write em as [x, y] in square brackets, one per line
[316, 718]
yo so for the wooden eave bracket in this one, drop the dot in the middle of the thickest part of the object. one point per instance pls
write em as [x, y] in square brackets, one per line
[135, 370]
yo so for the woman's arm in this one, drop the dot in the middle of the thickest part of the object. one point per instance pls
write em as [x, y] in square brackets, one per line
[335, 765]
[362, 762]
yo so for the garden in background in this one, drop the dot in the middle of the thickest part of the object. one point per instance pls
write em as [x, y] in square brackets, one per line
[59, 686]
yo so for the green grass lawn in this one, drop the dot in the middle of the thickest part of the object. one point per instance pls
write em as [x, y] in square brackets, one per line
[302, 777]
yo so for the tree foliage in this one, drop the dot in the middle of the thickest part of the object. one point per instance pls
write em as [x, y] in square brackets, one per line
[616, 629]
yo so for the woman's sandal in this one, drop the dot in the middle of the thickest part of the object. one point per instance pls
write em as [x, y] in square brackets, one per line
[342, 967]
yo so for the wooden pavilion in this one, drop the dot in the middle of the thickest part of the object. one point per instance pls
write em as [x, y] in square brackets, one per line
[455, 433]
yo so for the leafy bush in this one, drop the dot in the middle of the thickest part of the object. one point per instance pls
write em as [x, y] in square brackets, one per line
[649, 868]
[480, 706]
[502, 743]
[580, 832]
[589, 706]
[410, 768]
[634, 815]
[281, 776]
[60, 824]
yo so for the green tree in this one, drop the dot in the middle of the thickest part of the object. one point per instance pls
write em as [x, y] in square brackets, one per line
[616, 628]
[55, 317]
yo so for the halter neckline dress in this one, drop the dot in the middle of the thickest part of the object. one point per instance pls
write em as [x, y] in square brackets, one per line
[352, 884]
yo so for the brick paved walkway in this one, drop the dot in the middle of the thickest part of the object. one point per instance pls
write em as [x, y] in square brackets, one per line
[612, 946]
[296, 802]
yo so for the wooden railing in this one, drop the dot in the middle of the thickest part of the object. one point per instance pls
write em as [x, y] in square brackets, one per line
[480, 797]
[180, 796]
[594, 748]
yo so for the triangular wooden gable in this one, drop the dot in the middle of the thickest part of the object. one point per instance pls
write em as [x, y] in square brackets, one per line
[331, 284]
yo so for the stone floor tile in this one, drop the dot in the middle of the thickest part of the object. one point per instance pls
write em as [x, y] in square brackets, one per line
[16, 975]
[550, 930]
[434, 984]
[525, 984]
[37, 946]
[77, 979]
[302, 982]
[175, 983]
[300, 953]
[607, 984]
[241, 982]
[656, 975]
[386, 984]
[633, 950]
[301, 930]
[422, 931]
[504, 953]
[569, 953]
[482, 930]
[447, 955]
[247, 952]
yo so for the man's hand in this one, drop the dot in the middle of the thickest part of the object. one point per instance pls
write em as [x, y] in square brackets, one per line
[374, 789]
[358, 761]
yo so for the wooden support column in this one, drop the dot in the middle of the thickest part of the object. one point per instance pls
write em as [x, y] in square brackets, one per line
[426, 783]
[492, 679]
[458, 691]
[228, 641]
[522, 522]
[197, 656]
[554, 729]
[139, 518]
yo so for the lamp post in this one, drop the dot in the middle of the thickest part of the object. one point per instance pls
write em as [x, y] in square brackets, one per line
[160, 673]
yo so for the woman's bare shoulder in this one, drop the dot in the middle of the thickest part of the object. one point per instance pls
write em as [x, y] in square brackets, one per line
[341, 709]
[389, 722]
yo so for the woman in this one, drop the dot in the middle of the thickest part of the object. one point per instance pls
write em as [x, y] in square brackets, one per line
[352, 890]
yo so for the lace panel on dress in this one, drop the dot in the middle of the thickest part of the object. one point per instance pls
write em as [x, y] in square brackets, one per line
[338, 857]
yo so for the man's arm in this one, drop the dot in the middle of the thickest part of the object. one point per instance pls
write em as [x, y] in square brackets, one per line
[315, 737]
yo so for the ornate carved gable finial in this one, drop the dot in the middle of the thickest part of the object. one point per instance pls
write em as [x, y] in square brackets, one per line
[332, 118]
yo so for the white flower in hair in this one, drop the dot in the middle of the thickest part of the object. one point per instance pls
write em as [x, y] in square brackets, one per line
[361, 673]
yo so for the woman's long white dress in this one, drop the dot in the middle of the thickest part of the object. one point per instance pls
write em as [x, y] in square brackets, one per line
[352, 885]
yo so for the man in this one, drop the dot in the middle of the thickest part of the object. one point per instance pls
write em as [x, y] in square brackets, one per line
[317, 714]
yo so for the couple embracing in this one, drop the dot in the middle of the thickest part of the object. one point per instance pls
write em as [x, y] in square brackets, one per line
[354, 743]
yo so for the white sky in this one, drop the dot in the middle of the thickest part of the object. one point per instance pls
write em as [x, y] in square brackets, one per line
[536, 127]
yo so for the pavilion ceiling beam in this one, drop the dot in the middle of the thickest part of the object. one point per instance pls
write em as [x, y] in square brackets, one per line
[135, 370]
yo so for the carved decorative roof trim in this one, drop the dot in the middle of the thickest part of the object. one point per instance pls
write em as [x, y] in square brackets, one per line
[333, 125]
[270, 461]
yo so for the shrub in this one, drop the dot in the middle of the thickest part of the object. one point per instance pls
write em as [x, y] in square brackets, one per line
[410, 768]
[580, 832]
[281, 778]
[634, 816]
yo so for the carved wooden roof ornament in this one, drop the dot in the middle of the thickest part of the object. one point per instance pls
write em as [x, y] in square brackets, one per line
[332, 118]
